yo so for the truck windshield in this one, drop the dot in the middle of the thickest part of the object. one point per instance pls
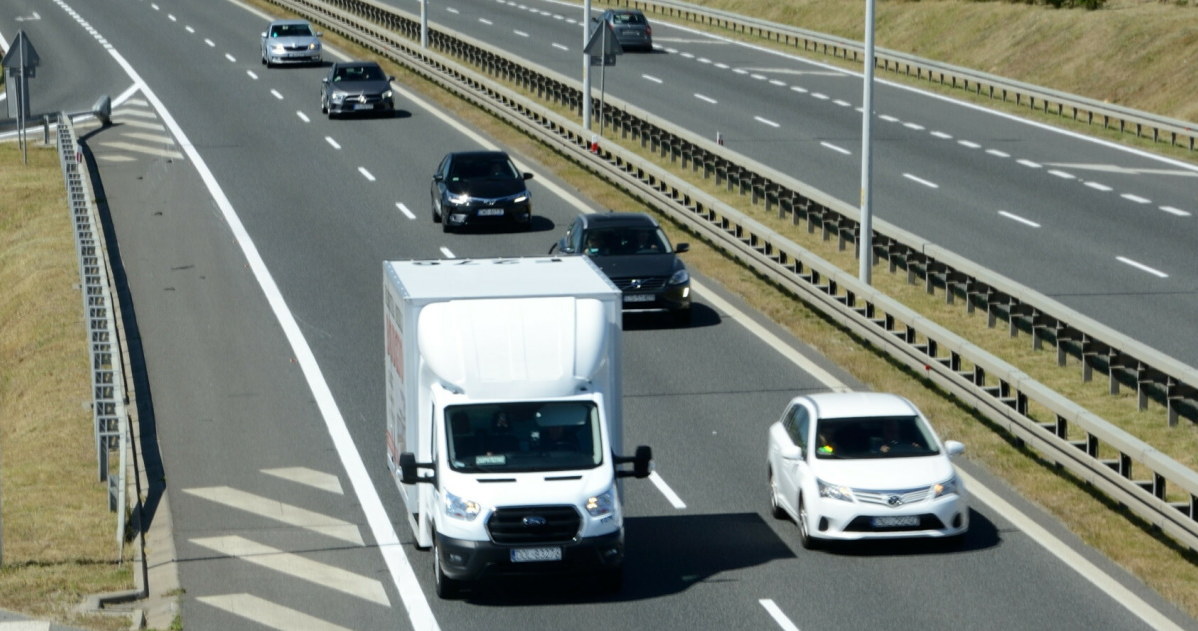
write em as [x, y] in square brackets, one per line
[522, 437]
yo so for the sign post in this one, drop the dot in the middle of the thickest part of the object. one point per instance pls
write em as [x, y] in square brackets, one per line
[601, 50]
[20, 63]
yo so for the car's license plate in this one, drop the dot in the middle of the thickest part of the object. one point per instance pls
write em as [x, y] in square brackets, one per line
[363, 106]
[898, 521]
[639, 297]
[489, 212]
[524, 555]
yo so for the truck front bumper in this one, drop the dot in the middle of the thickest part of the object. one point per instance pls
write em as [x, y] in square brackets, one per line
[466, 560]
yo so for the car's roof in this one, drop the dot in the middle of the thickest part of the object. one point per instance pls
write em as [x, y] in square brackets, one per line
[355, 64]
[289, 21]
[479, 154]
[618, 220]
[859, 404]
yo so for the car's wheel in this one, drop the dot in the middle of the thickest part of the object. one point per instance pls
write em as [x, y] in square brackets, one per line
[808, 542]
[447, 588]
[324, 107]
[775, 508]
[436, 215]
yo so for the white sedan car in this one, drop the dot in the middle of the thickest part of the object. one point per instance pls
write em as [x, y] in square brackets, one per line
[863, 465]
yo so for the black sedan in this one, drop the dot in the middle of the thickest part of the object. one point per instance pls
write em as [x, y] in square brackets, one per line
[634, 252]
[356, 87]
[473, 188]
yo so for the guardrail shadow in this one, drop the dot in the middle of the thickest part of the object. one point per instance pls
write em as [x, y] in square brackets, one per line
[663, 555]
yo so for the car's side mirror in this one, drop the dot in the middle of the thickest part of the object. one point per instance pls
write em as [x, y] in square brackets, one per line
[437, 177]
[954, 448]
[324, 80]
[263, 34]
[791, 452]
[682, 247]
[390, 78]
[528, 176]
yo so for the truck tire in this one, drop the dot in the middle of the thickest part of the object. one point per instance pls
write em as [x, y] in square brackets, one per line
[447, 588]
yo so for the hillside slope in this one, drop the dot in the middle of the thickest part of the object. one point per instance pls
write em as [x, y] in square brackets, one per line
[1135, 53]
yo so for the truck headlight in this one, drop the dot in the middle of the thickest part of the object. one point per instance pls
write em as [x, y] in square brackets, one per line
[601, 505]
[833, 491]
[461, 508]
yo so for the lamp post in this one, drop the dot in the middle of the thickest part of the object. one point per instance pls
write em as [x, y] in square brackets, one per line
[866, 241]
[586, 66]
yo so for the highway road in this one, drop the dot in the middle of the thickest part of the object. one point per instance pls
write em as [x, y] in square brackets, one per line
[1101, 228]
[248, 232]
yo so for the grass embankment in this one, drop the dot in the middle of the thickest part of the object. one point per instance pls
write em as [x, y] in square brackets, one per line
[59, 539]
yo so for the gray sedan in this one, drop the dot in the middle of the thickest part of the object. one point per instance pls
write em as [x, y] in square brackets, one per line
[356, 87]
[290, 42]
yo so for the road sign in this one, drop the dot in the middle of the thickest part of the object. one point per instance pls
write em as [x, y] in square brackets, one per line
[602, 46]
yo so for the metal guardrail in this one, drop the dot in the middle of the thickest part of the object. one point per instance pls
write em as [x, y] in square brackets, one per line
[1161, 129]
[1152, 485]
[104, 350]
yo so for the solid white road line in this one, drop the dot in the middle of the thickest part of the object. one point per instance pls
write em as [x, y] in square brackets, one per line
[266, 613]
[280, 512]
[321, 574]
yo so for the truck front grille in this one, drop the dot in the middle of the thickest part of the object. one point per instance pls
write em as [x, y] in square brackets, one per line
[528, 525]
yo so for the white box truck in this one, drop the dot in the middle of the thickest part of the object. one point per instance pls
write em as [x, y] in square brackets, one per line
[504, 415]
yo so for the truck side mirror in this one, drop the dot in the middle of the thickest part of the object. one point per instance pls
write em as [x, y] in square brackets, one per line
[642, 462]
[408, 467]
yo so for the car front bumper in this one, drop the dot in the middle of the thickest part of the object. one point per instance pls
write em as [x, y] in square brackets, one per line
[947, 516]
[471, 215]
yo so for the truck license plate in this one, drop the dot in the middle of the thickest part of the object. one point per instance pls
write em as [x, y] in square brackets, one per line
[524, 555]
[898, 521]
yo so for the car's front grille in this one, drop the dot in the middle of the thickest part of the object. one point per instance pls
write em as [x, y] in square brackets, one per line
[638, 283]
[891, 498]
[534, 525]
[295, 48]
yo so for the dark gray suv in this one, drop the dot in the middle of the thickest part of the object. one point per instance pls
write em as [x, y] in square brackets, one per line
[634, 252]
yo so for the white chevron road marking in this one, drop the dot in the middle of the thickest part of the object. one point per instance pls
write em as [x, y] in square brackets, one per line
[266, 613]
[278, 511]
[297, 566]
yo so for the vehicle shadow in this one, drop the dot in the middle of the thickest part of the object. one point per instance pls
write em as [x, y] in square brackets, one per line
[701, 316]
[663, 555]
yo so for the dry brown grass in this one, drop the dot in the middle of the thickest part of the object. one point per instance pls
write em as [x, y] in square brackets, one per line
[59, 540]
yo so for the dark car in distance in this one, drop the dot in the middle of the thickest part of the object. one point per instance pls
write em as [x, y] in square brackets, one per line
[631, 28]
[634, 252]
[356, 87]
[472, 188]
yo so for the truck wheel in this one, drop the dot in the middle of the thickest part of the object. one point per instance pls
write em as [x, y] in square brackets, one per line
[447, 588]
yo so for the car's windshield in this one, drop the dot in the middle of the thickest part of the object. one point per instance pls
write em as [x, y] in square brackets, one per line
[525, 436]
[359, 73]
[873, 437]
[291, 30]
[483, 167]
[625, 241]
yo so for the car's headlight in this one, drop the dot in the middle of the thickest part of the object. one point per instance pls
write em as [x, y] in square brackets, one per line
[948, 487]
[602, 505]
[314, 46]
[681, 277]
[459, 198]
[522, 198]
[337, 96]
[277, 48]
[834, 492]
[387, 94]
[461, 508]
